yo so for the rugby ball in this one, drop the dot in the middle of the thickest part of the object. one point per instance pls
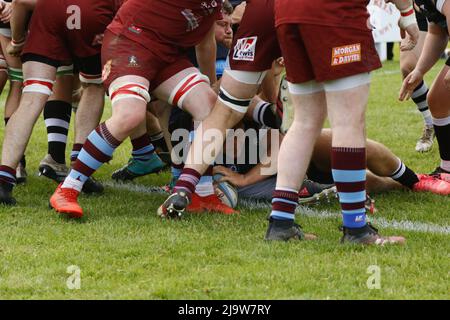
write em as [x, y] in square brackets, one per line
[226, 192]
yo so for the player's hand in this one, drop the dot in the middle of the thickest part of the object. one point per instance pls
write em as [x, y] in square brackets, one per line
[410, 37]
[236, 179]
[5, 12]
[98, 40]
[278, 66]
[409, 84]
[15, 48]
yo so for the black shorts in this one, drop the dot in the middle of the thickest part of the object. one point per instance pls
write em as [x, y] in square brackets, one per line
[91, 66]
[422, 21]
[319, 176]
[448, 62]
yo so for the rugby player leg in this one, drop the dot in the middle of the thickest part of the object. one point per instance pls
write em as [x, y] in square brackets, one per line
[3, 73]
[89, 110]
[347, 100]
[435, 44]
[12, 101]
[255, 47]
[383, 163]
[144, 159]
[376, 153]
[38, 85]
[76, 97]
[264, 113]
[129, 95]
[155, 131]
[237, 90]
[161, 111]
[158, 115]
[344, 88]
[57, 116]
[263, 108]
[408, 61]
[309, 103]
[440, 109]
[385, 172]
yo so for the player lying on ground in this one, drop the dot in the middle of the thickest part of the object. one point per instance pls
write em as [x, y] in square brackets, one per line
[385, 172]
[438, 13]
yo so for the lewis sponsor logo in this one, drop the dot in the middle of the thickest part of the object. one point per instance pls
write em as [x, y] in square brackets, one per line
[245, 49]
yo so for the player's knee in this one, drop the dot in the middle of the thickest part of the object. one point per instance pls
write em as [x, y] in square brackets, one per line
[353, 121]
[310, 126]
[128, 118]
[374, 149]
[94, 86]
[343, 130]
[200, 108]
[93, 89]
[435, 101]
[406, 67]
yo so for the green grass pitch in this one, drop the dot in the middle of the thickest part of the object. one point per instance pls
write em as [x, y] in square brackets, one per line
[123, 251]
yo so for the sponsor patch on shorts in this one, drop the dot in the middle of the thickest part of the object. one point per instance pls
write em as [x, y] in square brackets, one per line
[245, 49]
[106, 70]
[346, 54]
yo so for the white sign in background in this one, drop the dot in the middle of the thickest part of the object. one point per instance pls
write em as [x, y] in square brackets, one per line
[384, 17]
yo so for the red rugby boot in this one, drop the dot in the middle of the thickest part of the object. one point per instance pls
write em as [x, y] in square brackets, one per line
[431, 184]
[65, 201]
[210, 203]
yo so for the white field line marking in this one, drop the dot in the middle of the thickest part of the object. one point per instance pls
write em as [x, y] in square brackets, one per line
[386, 72]
[404, 225]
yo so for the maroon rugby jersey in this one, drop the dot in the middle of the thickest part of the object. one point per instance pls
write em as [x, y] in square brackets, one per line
[332, 13]
[183, 23]
[102, 8]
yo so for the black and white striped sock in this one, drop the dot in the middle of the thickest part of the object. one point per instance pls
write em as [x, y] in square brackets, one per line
[57, 116]
[405, 175]
[263, 115]
[419, 97]
[442, 130]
